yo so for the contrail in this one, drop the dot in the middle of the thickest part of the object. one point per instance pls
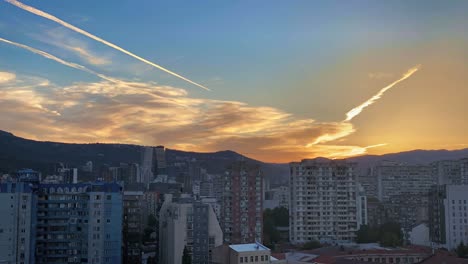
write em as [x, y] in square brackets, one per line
[357, 110]
[89, 35]
[76, 66]
[54, 58]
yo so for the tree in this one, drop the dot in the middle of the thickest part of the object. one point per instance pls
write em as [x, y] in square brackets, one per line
[186, 259]
[272, 219]
[462, 250]
[281, 216]
[152, 221]
[313, 244]
[367, 234]
[388, 234]
[390, 239]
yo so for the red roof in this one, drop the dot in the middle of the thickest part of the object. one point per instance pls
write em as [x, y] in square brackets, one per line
[444, 257]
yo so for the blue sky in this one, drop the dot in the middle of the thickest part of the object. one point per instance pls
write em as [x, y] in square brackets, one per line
[311, 59]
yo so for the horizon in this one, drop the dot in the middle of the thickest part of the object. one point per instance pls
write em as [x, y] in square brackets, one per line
[275, 82]
[228, 150]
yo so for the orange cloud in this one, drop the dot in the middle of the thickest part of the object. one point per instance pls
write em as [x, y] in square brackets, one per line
[149, 114]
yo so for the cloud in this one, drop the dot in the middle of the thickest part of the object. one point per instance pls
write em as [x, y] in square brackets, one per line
[91, 36]
[150, 114]
[60, 38]
[116, 110]
[6, 77]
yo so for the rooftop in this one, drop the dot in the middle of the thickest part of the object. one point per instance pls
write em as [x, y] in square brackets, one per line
[248, 247]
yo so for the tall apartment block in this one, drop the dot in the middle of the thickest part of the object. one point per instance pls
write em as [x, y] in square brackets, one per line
[242, 204]
[135, 215]
[59, 223]
[448, 215]
[79, 223]
[326, 203]
[185, 223]
[17, 221]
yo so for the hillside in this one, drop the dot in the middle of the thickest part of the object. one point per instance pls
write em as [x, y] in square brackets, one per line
[17, 152]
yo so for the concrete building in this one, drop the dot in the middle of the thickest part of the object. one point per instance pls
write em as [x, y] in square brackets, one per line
[159, 161]
[448, 214]
[17, 222]
[326, 202]
[394, 179]
[277, 196]
[419, 235]
[185, 223]
[242, 203]
[79, 223]
[146, 165]
[135, 215]
[242, 253]
[451, 172]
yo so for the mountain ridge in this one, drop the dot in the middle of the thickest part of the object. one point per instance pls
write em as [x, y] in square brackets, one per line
[17, 152]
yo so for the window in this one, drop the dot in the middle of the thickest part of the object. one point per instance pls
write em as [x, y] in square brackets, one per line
[241, 260]
[256, 258]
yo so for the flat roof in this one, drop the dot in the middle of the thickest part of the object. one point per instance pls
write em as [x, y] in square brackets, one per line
[248, 247]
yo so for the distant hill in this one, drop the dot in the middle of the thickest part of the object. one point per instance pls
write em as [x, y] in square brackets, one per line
[17, 152]
[413, 156]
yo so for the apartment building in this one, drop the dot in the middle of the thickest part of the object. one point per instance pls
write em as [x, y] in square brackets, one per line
[17, 221]
[326, 203]
[79, 223]
[242, 203]
[190, 224]
[448, 215]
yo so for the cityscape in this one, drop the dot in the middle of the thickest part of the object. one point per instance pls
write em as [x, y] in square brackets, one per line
[215, 132]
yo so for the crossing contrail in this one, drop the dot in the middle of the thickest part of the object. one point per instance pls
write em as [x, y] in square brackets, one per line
[89, 35]
[59, 60]
[77, 66]
[357, 110]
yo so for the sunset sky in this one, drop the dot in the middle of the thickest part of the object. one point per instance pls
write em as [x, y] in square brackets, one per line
[285, 80]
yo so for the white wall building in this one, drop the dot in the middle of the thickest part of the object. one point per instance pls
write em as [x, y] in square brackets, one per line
[419, 235]
[190, 224]
[326, 202]
[448, 213]
[243, 253]
[16, 229]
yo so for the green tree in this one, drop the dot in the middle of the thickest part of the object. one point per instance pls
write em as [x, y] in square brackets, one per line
[186, 259]
[281, 216]
[389, 239]
[462, 250]
[313, 244]
[152, 221]
[367, 234]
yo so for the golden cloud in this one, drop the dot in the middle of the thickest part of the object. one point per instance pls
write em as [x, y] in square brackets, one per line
[149, 114]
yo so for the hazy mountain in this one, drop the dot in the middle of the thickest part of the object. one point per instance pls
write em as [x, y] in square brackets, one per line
[16, 152]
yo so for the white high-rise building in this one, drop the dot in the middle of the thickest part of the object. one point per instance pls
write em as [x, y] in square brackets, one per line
[146, 166]
[188, 224]
[16, 223]
[326, 203]
[448, 215]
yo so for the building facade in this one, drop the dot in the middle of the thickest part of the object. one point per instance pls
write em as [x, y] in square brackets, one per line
[191, 225]
[448, 215]
[79, 223]
[17, 221]
[326, 203]
[242, 204]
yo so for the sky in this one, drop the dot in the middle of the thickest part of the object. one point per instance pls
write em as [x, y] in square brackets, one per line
[278, 81]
